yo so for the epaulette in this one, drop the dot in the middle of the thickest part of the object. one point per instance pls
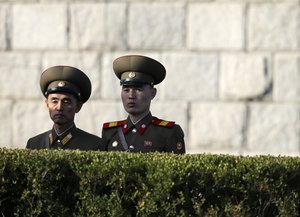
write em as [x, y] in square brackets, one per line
[163, 123]
[113, 124]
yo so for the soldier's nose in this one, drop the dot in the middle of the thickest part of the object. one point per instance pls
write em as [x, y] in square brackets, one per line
[59, 105]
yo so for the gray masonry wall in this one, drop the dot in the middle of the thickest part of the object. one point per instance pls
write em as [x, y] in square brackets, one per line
[233, 67]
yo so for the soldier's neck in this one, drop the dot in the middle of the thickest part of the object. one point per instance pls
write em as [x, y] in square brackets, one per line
[61, 129]
[137, 118]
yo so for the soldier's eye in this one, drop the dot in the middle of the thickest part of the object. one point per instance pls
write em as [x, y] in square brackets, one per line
[67, 102]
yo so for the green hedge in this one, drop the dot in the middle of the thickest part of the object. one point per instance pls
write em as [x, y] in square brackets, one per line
[74, 183]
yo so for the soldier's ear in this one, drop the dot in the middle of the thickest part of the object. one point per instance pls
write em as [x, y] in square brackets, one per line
[46, 103]
[79, 106]
[153, 92]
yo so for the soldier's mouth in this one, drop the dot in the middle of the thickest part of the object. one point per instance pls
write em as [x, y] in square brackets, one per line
[58, 116]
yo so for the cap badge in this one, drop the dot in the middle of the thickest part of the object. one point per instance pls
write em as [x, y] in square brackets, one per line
[61, 84]
[131, 74]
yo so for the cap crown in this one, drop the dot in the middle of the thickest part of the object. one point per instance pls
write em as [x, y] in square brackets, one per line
[66, 79]
[137, 69]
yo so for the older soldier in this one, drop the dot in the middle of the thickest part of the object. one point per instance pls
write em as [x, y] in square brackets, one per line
[66, 89]
[141, 132]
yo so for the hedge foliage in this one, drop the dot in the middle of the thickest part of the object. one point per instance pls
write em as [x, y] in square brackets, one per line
[75, 183]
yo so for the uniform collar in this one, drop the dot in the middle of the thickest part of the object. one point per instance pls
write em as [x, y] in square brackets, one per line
[140, 126]
[64, 138]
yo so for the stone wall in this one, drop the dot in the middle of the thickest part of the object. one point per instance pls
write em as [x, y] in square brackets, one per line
[233, 67]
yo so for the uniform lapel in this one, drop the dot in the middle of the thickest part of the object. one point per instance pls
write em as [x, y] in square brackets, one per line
[64, 138]
[143, 124]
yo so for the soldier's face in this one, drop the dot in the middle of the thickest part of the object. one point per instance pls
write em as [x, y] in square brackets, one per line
[62, 107]
[137, 99]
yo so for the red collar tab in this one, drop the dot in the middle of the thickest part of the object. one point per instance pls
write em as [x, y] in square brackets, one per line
[113, 124]
[142, 129]
[125, 128]
[163, 123]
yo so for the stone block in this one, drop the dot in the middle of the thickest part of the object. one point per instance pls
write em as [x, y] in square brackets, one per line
[287, 78]
[39, 26]
[190, 76]
[110, 86]
[88, 62]
[95, 112]
[6, 131]
[20, 72]
[274, 128]
[156, 25]
[172, 111]
[213, 26]
[217, 126]
[244, 76]
[3, 29]
[274, 26]
[30, 118]
[95, 26]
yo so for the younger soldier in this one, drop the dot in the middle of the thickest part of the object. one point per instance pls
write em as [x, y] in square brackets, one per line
[141, 132]
[66, 89]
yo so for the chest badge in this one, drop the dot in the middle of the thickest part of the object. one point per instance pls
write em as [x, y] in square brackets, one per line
[114, 144]
[147, 143]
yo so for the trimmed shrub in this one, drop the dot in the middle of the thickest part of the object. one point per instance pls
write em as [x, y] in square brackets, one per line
[75, 183]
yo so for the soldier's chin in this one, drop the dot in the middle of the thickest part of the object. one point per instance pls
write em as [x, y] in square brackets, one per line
[131, 110]
[59, 121]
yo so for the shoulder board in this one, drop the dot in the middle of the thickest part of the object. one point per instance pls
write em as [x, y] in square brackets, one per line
[163, 123]
[113, 124]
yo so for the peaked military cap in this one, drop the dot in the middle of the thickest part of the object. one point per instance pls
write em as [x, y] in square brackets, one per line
[138, 70]
[66, 79]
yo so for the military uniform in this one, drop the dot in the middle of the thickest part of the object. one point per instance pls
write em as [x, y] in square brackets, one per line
[65, 79]
[149, 134]
[73, 138]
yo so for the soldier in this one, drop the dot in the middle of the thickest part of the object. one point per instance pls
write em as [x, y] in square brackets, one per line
[141, 132]
[66, 89]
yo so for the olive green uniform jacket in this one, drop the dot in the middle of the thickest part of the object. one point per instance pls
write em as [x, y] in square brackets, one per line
[148, 135]
[74, 138]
